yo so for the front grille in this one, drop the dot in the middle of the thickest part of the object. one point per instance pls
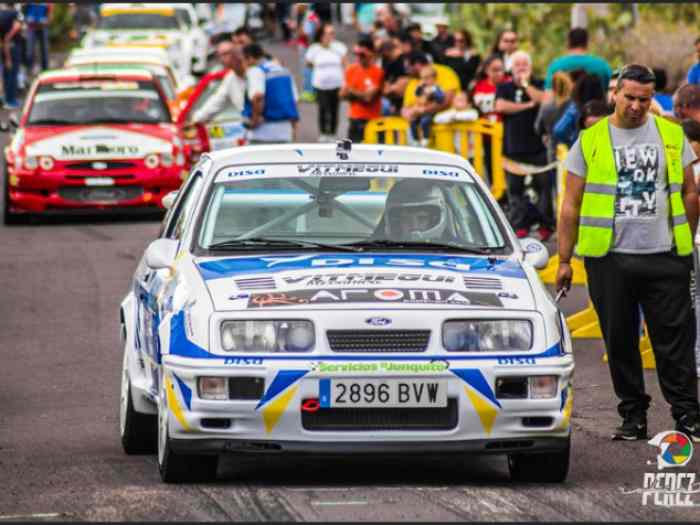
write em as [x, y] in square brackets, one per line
[363, 419]
[256, 283]
[100, 194]
[110, 165]
[378, 340]
[483, 283]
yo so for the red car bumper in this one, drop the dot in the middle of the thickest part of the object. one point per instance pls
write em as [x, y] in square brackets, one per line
[61, 189]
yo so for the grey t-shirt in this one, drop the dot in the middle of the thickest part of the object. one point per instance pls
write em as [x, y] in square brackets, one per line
[642, 222]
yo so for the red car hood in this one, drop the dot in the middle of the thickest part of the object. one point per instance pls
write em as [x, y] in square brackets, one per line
[98, 141]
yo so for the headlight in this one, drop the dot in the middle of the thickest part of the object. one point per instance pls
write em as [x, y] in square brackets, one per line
[151, 161]
[166, 159]
[46, 163]
[31, 162]
[267, 336]
[487, 336]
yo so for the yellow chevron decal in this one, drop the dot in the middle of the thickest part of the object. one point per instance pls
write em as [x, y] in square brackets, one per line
[487, 414]
[568, 407]
[174, 403]
[274, 410]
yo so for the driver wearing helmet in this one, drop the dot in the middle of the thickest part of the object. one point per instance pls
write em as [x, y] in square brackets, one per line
[416, 210]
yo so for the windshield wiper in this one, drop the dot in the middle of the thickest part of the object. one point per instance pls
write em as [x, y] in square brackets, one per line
[257, 242]
[449, 246]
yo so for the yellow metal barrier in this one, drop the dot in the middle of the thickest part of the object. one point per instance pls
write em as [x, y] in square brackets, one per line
[386, 130]
[466, 139]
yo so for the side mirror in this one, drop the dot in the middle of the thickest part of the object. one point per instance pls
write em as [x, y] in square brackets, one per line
[161, 253]
[536, 253]
[169, 200]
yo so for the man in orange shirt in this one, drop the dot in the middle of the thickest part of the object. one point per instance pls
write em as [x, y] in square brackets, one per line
[363, 89]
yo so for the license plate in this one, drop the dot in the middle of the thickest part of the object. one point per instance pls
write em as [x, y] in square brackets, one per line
[99, 181]
[388, 393]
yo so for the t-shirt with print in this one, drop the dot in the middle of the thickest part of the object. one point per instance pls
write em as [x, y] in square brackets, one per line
[484, 97]
[642, 222]
[360, 78]
[519, 137]
[327, 64]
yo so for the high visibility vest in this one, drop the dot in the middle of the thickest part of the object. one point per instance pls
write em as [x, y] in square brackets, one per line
[595, 233]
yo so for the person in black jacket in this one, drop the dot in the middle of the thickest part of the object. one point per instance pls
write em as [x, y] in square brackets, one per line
[462, 58]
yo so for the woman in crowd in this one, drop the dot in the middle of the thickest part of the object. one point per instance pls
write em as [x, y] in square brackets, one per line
[328, 58]
[463, 58]
[587, 87]
[552, 111]
[506, 44]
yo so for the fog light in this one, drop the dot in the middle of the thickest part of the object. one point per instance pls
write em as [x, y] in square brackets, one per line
[213, 388]
[543, 387]
[151, 161]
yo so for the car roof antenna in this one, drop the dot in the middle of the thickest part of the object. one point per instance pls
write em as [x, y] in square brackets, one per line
[343, 148]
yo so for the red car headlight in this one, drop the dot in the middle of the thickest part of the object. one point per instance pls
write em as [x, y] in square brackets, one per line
[151, 161]
[46, 163]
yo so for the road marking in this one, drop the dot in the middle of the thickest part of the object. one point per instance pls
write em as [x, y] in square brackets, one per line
[26, 516]
[336, 503]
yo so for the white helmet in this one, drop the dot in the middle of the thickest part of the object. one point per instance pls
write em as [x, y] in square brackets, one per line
[415, 211]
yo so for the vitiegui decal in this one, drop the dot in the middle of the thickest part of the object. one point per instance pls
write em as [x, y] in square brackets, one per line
[342, 169]
[364, 295]
[363, 279]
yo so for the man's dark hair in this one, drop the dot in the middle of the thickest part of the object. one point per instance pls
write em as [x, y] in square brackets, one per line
[697, 41]
[688, 96]
[254, 51]
[243, 30]
[593, 108]
[637, 73]
[366, 43]
[577, 37]
[691, 128]
[413, 26]
[216, 39]
[661, 78]
[405, 37]
[587, 88]
[417, 57]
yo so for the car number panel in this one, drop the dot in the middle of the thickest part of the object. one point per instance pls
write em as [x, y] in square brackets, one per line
[382, 393]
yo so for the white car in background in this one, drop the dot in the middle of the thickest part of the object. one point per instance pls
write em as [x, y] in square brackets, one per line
[135, 25]
[365, 299]
[195, 33]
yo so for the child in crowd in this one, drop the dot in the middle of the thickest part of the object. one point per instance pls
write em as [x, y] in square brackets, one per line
[461, 111]
[428, 93]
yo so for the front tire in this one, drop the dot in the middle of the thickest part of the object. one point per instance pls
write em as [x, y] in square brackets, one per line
[548, 467]
[138, 431]
[180, 468]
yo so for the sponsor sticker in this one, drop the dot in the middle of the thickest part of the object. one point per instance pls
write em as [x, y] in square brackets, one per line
[99, 181]
[363, 295]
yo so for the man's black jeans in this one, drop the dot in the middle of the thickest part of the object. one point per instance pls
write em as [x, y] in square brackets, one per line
[618, 284]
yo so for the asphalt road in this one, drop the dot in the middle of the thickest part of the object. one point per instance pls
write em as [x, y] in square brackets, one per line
[60, 456]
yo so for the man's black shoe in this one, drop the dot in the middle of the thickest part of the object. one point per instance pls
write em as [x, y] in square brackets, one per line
[690, 426]
[632, 428]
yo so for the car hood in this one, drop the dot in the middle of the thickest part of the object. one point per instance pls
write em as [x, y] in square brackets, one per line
[97, 142]
[352, 281]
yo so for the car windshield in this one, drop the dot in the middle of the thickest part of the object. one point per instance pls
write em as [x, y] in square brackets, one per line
[355, 212]
[156, 70]
[138, 21]
[97, 101]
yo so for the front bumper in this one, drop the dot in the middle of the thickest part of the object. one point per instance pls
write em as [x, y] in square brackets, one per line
[61, 190]
[478, 446]
[275, 423]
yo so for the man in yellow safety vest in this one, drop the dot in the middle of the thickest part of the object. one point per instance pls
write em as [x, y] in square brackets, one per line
[631, 209]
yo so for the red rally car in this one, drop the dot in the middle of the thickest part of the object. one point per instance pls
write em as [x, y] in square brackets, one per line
[93, 140]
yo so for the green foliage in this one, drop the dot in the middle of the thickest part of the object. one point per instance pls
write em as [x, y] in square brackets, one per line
[616, 33]
[61, 24]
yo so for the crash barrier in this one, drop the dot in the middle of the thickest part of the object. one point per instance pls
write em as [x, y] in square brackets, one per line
[466, 139]
[386, 130]
[462, 138]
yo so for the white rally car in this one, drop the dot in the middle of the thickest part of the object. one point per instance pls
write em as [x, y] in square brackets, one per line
[366, 299]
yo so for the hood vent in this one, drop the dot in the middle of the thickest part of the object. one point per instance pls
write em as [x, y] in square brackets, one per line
[483, 283]
[256, 283]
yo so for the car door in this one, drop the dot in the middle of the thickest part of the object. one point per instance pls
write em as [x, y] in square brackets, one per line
[151, 287]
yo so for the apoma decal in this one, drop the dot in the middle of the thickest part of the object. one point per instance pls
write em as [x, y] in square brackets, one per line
[362, 279]
[363, 295]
